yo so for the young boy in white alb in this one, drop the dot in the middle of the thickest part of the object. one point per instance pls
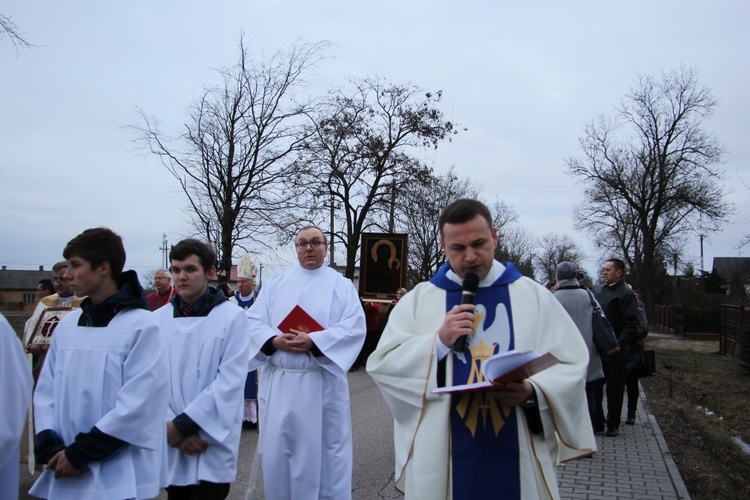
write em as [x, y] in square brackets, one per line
[207, 342]
[100, 401]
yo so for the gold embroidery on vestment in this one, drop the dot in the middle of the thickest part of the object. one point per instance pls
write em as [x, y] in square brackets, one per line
[474, 405]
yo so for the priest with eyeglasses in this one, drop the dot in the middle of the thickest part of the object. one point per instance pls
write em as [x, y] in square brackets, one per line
[308, 327]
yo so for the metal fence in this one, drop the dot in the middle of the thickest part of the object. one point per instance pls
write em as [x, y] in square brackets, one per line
[730, 324]
[686, 321]
[735, 333]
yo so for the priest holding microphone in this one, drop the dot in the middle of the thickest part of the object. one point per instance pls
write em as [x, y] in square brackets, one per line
[502, 443]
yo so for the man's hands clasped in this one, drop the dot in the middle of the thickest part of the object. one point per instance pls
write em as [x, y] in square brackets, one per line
[59, 463]
[190, 445]
[297, 341]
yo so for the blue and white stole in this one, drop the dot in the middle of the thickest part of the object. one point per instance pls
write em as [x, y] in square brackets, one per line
[484, 433]
[245, 304]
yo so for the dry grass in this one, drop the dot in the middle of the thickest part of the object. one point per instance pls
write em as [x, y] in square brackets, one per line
[701, 400]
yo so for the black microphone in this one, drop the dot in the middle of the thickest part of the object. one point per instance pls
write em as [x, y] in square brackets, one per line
[469, 288]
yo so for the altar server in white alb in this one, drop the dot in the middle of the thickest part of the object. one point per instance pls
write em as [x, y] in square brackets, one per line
[306, 437]
[101, 397]
[207, 343]
[15, 394]
[503, 444]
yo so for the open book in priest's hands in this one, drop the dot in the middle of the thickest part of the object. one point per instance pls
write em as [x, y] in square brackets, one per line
[504, 367]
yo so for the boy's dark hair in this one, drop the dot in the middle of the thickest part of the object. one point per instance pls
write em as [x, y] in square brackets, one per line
[47, 285]
[618, 263]
[463, 210]
[97, 245]
[191, 246]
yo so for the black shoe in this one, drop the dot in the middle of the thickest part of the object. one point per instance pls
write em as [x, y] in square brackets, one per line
[631, 419]
[612, 432]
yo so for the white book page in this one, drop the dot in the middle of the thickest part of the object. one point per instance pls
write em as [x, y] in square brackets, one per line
[504, 362]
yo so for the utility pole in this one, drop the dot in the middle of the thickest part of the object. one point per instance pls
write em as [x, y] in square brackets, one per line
[702, 268]
[164, 249]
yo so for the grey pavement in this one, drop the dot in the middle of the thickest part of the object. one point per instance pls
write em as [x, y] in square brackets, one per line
[634, 465]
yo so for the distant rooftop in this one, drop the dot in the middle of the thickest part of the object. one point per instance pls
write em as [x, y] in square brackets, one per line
[22, 280]
[732, 266]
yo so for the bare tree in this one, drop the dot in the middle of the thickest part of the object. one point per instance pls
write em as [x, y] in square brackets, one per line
[555, 248]
[361, 149]
[651, 173]
[234, 155]
[8, 28]
[517, 245]
[419, 207]
[147, 280]
[503, 216]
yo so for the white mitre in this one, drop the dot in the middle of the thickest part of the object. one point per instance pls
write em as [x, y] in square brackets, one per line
[247, 267]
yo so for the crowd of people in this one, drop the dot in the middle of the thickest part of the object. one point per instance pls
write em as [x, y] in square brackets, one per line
[135, 393]
[607, 369]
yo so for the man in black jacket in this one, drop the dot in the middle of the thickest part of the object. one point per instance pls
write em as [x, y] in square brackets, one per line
[618, 303]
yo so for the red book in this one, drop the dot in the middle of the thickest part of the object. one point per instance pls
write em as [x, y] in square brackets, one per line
[298, 319]
[504, 367]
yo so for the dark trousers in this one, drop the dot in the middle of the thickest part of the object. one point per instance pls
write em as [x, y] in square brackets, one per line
[591, 401]
[632, 386]
[615, 374]
[201, 491]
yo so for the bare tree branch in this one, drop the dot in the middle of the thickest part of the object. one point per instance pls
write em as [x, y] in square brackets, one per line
[8, 28]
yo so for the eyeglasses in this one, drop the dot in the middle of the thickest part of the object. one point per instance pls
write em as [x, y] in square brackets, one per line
[301, 245]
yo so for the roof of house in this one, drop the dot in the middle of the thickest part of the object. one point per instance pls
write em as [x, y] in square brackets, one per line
[730, 267]
[21, 280]
[232, 274]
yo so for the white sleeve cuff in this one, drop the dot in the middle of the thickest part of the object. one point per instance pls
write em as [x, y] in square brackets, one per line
[442, 349]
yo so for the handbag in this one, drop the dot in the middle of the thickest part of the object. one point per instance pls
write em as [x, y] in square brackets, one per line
[604, 335]
[642, 364]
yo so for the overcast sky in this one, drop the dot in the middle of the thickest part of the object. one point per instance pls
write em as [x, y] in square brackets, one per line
[523, 77]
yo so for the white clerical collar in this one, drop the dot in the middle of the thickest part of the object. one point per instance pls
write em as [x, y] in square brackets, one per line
[496, 271]
[245, 299]
[317, 270]
[65, 300]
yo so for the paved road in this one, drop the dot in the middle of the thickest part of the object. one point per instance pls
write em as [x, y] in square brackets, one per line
[634, 465]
